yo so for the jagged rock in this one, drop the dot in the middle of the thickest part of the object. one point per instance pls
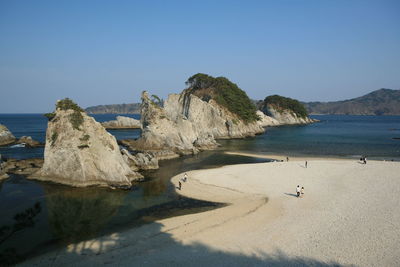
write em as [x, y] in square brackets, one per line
[265, 120]
[29, 142]
[140, 161]
[80, 152]
[6, 137]
[134, 145]
[122, 123]
[3, 174]
[22, 167]
[285, 117]
[187, 124]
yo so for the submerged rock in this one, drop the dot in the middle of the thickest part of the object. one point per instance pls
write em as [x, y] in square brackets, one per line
[6, 137]
[22, 166]
[80, 152]
[29, 142]
[122, 123]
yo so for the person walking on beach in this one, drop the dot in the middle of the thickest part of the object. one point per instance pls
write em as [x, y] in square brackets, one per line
[306, 164]
[287, 158]
[185, 177]
[302, 191]
[298, 190]
[365, 160]
[180, 185]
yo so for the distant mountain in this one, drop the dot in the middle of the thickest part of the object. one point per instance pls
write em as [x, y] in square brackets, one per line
[379, 102]
[132, 108]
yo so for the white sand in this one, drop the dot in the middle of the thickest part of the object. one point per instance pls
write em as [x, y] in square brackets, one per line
[349, 215]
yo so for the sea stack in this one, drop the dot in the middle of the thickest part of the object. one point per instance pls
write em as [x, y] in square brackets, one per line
[6, 137]
[209, 109]
[80, 152]
[285, 110]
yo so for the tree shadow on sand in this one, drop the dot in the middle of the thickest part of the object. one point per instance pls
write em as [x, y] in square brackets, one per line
[149, 246]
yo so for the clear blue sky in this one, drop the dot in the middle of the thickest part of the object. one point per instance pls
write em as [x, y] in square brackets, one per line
[106, 52]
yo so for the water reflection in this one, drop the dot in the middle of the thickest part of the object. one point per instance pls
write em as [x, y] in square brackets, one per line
[80, 213]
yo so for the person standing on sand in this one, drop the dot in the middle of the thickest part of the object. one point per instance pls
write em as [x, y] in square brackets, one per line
[302, 191]
[180, 185]
[287, 158]
[185, 177]
[298, 190]
[365, 160]
[306, 164]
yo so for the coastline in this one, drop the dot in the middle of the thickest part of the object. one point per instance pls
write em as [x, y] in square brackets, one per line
[348, 210]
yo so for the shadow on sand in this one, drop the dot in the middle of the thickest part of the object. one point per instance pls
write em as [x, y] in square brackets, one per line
[290, 194]
[149, 246]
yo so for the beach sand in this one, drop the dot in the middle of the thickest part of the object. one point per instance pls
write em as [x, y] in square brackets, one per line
[349, 215]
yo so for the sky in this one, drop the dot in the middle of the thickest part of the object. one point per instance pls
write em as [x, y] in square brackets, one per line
[108, 52]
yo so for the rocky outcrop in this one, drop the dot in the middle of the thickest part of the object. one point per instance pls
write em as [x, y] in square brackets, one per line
[6, 137]
[3, 174]
[286, 117]
[80, 152]
[22, 166]
[122, 123]
[187, 124]
[140, 161]
[29, 142]
[265, 120]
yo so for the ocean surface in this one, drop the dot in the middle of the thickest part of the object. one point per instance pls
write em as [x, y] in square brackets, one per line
[72, 214]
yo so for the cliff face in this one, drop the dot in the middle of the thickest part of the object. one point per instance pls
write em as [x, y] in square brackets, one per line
[379, 102]
[286, 117]
[187, 124]
[6, 137]
[80, 152]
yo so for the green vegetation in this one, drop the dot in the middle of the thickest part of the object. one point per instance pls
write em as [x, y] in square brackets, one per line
[83, 146]
[50, 116]
[54, 138]
[157, 101]
[225, 93]
[85, 138]
[76, 117]
[284, 103]
[67, 103]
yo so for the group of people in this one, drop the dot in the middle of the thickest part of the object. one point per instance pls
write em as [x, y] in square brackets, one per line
[363, 159]
[299, 191]
[184, 179]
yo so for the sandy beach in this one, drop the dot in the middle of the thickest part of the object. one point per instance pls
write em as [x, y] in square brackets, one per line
[349, 215]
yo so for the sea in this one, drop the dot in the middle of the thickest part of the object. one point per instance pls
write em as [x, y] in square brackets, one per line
[67, 214]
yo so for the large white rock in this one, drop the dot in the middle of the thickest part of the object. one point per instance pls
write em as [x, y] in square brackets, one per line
[122, 122]
[286, 117]
[187, 124]
[266, 120]
[82, 157]
[6, 137]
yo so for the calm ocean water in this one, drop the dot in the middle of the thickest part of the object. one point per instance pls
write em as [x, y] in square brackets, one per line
[72, 214]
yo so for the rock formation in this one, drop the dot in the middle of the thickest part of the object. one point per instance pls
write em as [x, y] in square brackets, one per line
[80, 152]
[286, 117]
[6, 137]
[29, 142]
[3, 174]
[122, 123]
[266, 121]
[186, 124]
[284, 111]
